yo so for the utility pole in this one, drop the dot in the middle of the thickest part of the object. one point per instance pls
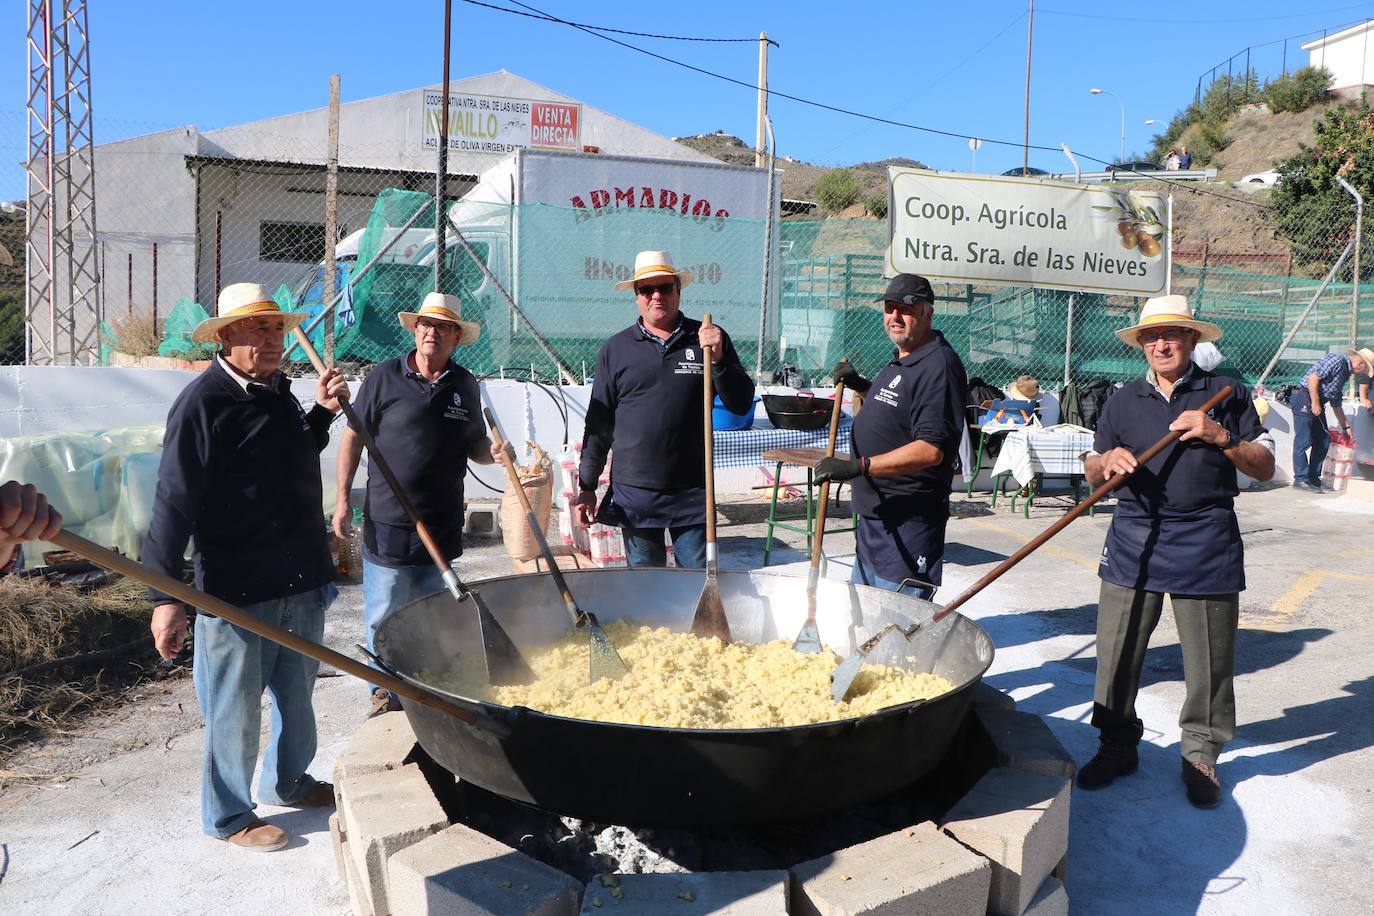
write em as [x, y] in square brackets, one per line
[331, 214]
[1025, 149]
[763, 99]
[441, 170]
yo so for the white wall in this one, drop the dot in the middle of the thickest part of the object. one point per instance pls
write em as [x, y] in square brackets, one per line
[1349, 57]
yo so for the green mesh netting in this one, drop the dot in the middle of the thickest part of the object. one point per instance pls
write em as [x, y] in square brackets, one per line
[176, 332]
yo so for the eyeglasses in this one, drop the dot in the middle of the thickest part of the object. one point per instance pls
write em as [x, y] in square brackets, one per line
[663, 289]
[1172, 335]
[439, 328]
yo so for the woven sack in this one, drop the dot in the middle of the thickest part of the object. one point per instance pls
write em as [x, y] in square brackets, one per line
[537, 481]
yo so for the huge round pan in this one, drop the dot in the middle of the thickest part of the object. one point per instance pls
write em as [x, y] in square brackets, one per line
[646, 776]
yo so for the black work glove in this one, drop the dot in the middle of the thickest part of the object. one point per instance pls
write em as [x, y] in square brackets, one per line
[838, 469]
[845, 372]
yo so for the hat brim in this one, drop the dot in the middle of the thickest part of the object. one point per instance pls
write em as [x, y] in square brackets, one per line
[684, 278]
[1211, 333]
[878, 302]
[208, 330]
[471, 330]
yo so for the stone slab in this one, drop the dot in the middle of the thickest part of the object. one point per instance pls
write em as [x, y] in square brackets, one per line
[1019, 820]
[1051, 900]
[383, 813]
[459, 871]
[382, 743]
[917, 870]
[1025, 742]
[729, 893]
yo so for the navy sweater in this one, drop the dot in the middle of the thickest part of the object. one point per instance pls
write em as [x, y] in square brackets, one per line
[240, 473]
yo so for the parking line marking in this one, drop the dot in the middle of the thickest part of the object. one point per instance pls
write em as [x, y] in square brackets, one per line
[1052, 551]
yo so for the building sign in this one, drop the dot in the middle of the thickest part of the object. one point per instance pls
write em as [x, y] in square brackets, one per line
[490, 124]
[1016, 231]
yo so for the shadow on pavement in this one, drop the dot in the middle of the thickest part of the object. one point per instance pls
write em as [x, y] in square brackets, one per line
[1334, 726]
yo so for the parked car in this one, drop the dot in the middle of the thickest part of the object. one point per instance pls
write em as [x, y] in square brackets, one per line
[1137, 166]
[1259, 180]
[1032, 170]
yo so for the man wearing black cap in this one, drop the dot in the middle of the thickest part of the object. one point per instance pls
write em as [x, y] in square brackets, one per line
[904, 446]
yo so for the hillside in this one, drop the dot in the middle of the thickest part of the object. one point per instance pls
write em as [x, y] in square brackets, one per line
[1257, 138]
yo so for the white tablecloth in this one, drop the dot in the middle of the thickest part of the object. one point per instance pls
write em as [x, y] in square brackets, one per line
[1049, 450]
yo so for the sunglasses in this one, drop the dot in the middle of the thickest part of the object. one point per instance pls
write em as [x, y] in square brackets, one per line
[438, 327]
[648, 289]
[1173, 335]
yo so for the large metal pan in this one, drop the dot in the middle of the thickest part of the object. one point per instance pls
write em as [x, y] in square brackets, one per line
[645, 776]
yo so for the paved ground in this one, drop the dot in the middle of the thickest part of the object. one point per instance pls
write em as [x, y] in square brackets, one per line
[119, 832]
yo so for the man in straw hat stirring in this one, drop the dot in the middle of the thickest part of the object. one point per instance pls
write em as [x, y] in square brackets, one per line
[1322, 386]
[646, 401]
[423, 410]
[240, 474]
[1173, 531]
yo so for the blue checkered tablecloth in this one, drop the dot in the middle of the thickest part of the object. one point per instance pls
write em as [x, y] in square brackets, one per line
[1052, 450]
[744, 448]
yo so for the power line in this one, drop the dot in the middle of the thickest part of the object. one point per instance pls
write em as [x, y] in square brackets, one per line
[601, 28]
[1172, 21]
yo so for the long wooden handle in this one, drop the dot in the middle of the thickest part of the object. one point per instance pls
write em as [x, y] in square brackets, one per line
[431, 545]
[825, 485]
[709, 439]
[226, 611]
[1107, 487]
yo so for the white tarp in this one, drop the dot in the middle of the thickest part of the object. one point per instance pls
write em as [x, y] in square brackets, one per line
[960, 228]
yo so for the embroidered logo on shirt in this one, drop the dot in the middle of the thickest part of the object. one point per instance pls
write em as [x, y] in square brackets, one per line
[896, 380]
[456, 411]
[890, 395]
[691, 354]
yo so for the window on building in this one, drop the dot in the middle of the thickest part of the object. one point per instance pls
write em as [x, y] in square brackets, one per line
[296, 243]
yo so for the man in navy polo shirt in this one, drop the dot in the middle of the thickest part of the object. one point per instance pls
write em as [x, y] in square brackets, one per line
[904, 446]
[1173, 531]
[1321, 386]
[647, 402]
[424, 412]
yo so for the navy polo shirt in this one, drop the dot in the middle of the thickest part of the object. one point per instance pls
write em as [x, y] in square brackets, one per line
[647, 401]
[424, 430]
[918, 396]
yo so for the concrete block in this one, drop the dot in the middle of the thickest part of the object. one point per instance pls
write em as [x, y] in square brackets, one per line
[733, 893]
[383, 813]
[1025, 742]
[1020, 821]
[917, 870]
[382, 743]
[336, 842]
[987, 696]
[459, 871]
[483, 522]
[360, 903]
[1051, 900]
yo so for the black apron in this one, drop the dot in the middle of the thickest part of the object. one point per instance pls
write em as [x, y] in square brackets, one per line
[1180, 552]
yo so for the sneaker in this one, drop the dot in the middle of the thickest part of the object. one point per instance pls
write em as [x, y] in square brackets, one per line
[320, 795]
[259, 836]
[383, 701]
[1204, 787]
[1113, 759]
[1308, 485]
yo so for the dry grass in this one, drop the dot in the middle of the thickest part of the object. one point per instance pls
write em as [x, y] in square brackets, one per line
[135, 335]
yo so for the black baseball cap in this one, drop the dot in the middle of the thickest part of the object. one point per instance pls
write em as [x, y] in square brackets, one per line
[908, 289]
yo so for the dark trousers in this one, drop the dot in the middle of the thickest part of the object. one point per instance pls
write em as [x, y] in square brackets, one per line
[1309, 431]
[1207, 636]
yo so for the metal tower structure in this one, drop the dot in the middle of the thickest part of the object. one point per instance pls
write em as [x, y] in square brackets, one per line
[62, 308]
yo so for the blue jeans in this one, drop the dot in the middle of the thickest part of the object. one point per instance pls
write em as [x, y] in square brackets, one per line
[645, 546]
[231, 669]
[859, 575]
[386, 588]
[1309, 431]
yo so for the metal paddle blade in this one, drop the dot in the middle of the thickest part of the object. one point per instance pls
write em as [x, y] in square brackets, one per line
[505, 665]
[709, 619]
[842, 678]
[605, 660]
[809, 639]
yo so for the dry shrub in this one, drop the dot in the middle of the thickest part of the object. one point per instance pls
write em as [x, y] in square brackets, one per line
[135, 335]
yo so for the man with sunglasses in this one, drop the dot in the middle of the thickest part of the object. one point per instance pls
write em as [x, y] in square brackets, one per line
[424, 411]
[646, 401]
[1174, 532]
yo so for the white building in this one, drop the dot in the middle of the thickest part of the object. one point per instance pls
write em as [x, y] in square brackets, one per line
[247, 202]
[1347, 54]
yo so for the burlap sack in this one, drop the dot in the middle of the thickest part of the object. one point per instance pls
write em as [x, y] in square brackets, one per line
[537, 481]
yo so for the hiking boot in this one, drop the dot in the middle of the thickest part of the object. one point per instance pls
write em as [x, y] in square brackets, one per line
[383, 700]
[320, 795]
[259, 836]
[1204, 787]
[1113, 759]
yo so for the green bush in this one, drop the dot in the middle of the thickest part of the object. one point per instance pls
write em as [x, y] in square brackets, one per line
[837, 189]
[876, 204]
[1298, 91]
[11, 327]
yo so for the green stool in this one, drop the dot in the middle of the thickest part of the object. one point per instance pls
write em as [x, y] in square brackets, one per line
[807, 458]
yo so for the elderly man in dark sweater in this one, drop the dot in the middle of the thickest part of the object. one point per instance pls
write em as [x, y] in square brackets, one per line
[647, 402]
[240, 474]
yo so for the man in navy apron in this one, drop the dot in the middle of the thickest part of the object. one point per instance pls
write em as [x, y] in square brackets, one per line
[904, 446]
[1173, 532]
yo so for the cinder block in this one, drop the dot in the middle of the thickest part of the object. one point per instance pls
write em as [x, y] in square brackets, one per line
[459, 871]
[917, 870]
[384, 813]
[336, 841]
[1025, 742]
[733, 893]
[482, 522]
[987, 696]
[382, 743]
[1051, 900]
[1020, 821]
[359, 901]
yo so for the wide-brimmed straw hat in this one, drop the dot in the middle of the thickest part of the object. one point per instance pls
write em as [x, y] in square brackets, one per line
[1367, 355]
[1027, 386]
[651, 264]
[442, 307]
[238, 301]
[1169, 311]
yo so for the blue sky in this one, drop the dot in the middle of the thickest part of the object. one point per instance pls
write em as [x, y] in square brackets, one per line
[950, 66]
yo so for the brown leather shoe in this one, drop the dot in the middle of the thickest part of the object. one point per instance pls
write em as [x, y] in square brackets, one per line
[1203, 784]
[383, 701]
[320, 795]
[259, 836]
[1113, 759]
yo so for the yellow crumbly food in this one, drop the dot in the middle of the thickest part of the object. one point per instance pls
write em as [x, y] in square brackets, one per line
[677, 680]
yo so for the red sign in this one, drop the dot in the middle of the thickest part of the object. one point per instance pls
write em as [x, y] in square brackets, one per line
[553, 126]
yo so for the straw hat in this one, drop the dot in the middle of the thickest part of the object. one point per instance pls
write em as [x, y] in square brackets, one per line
[442, 307]
[243, 300]
[1367, 355]
[1168, 311]
[650, 264]
[1026, 386]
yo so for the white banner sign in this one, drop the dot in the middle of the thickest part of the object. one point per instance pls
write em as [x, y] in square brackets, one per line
[490, 124]
[960, 228]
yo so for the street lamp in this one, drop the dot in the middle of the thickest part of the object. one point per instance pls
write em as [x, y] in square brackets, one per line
[1155, 121]
[1123, 118]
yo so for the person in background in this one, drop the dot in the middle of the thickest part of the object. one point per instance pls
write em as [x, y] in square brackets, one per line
[1321, 387]
[1171, 161]
[1185, 158]
[24, 516]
